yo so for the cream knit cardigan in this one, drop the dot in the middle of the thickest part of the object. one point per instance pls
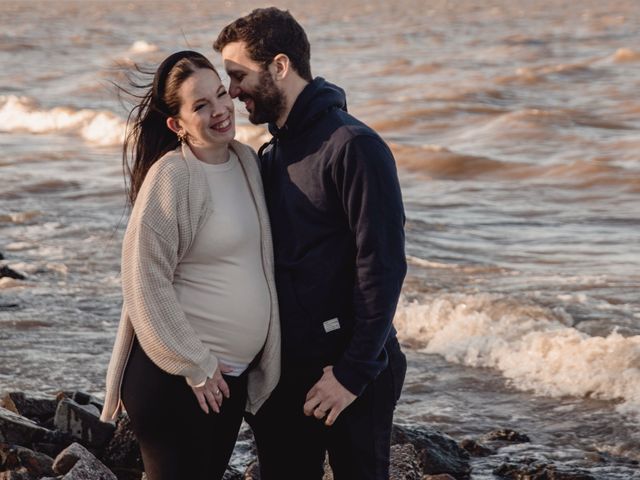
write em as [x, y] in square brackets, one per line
[172, 204]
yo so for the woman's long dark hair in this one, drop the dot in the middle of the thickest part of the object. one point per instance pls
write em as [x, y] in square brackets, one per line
[147, 136]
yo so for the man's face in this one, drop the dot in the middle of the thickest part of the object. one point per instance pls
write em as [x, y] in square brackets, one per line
[253, 85]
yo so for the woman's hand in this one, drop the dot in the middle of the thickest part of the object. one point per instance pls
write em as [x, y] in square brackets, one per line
[213, 391]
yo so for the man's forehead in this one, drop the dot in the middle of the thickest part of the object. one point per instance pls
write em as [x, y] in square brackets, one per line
[236, 57]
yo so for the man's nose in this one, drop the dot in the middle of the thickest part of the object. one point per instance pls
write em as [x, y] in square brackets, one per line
[234, 90]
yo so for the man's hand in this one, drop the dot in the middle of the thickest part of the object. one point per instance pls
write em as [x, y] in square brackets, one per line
[327, 398]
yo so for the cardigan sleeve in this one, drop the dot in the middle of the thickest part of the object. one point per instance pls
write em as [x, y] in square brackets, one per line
[149, 259]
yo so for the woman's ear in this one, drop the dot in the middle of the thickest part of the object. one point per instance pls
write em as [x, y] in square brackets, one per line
[173, 124]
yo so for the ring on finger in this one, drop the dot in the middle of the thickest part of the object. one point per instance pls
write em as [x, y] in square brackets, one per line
[217, 392]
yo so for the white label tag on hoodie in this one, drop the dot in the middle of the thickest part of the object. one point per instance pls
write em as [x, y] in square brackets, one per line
[331, 325]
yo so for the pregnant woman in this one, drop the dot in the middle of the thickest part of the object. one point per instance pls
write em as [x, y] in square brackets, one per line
[198, 341]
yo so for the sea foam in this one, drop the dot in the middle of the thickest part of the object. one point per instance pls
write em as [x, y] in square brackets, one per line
[97, 127]
[141, 46]
[23, 114]
[536, 348]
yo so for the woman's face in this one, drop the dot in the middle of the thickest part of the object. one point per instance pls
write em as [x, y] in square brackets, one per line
[206, 110]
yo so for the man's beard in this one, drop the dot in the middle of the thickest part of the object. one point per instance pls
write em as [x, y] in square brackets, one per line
[268, 101]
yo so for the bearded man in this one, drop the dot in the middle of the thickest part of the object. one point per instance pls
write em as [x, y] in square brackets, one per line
[337, 222]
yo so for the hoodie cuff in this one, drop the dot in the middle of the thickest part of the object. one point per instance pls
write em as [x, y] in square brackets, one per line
[355, 376]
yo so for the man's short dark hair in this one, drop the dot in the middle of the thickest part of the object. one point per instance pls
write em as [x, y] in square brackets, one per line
[266, 33]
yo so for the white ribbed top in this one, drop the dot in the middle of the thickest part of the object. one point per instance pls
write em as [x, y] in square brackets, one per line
[221, 283]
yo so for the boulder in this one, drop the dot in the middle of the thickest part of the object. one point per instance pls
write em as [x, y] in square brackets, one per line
[405, 463]
[438, 453]
[476, 449]
[19, 474]
[76, 463]
[530, 469]
[252, 472]
[27, 433]
[17, 429]
[415, 451]
[506, 435]
[83, 398]
[82, 422]
[40, 409]
[122, 453]
[24, 461]
[8, 272]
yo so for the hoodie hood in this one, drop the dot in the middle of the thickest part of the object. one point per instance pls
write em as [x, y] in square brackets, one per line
[317, 98]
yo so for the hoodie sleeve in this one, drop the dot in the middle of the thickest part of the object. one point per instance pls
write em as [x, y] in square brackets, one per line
[367, 183]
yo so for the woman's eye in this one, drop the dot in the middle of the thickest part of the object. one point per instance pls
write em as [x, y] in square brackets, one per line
[198, 107]
[222, 93]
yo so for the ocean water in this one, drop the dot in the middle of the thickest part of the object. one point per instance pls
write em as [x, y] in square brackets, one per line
[515, 126]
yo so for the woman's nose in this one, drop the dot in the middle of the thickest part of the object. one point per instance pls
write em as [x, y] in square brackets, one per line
[218, 110]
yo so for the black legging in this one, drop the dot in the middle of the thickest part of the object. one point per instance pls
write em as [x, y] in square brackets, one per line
[177, 439]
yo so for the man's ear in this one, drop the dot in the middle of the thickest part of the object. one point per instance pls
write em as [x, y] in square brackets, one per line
[173, 124]
[280, 66]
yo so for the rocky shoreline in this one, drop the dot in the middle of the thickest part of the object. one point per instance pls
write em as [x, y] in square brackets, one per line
[62, 438]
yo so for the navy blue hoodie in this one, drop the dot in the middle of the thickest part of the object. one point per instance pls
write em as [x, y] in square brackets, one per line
[338, 227]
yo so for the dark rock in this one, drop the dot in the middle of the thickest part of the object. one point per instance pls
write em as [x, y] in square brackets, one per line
[442, 476]
[414, 452]
[438, 453]
[405, 463]
[476, 449]
[8, 272]
[83, 423]
[15, 457]
[25, 432]
[534, 470]
[81, 398]
[8, 457]
[76, 463]
[122, 453]
[328, 473]
[506, 435]
[39, 409]
[55, 446]
[252, 472]
[19, 474]
[20, 430]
